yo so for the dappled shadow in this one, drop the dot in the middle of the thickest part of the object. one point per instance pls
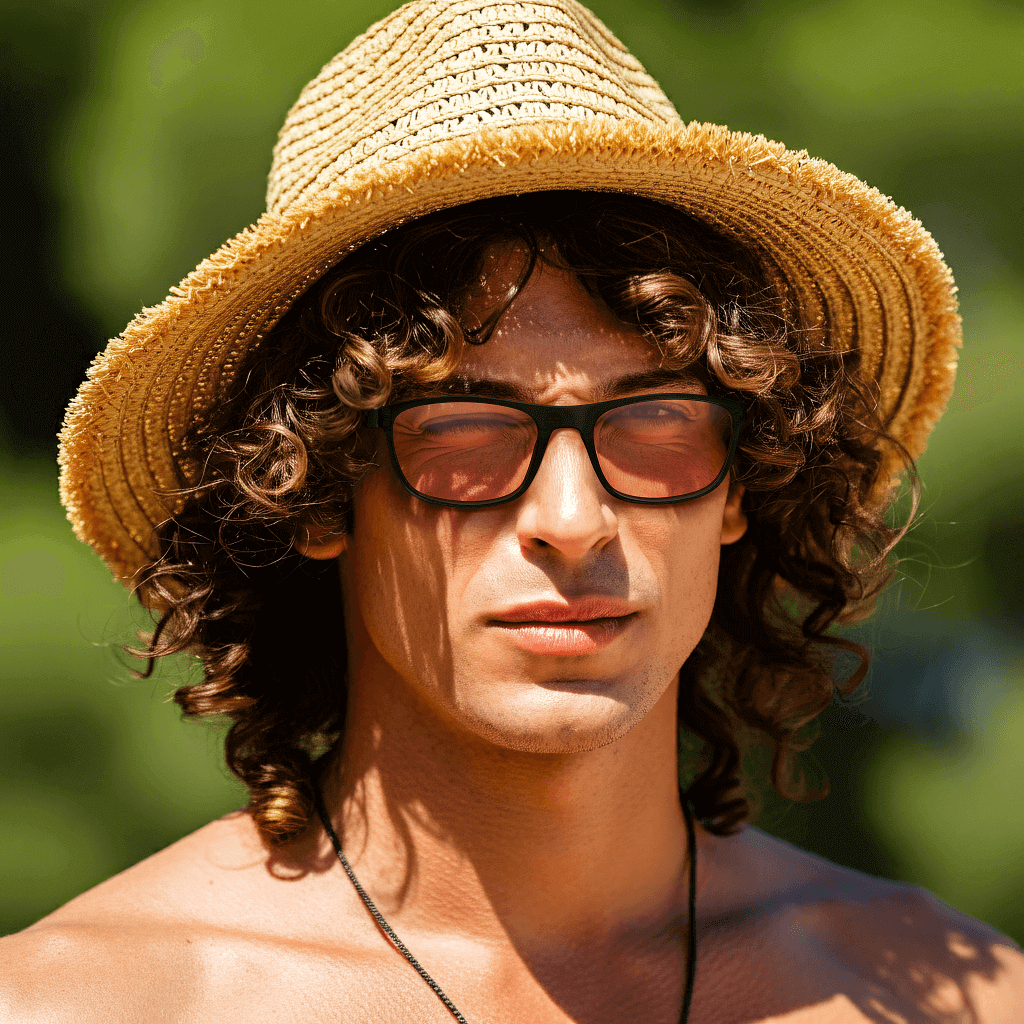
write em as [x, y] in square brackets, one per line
[404, 559]
[893, 952]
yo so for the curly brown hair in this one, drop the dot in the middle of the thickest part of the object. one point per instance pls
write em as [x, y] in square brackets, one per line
[285, 451]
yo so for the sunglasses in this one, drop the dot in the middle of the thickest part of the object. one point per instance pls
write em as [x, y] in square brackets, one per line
[650, 449]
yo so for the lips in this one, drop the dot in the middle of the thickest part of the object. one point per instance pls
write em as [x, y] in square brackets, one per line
[580, 610]
[565, 629]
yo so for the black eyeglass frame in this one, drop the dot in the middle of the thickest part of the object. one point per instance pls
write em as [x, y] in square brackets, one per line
[549, 418]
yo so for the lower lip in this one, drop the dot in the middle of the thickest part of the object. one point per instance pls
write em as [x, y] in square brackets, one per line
[564, 639]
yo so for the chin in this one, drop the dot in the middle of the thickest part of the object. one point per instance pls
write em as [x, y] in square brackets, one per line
[560, 716]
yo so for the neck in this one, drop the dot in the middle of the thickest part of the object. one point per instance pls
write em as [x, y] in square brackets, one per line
[452, 834]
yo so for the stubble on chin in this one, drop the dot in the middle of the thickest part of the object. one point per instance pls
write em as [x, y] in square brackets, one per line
[571, 715]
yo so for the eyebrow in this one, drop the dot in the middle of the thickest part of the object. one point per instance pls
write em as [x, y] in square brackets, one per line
[490, 387]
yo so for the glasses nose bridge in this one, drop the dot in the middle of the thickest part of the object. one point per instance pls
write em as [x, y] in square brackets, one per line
[550, 418]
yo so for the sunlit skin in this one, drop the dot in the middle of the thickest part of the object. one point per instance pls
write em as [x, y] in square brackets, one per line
[440, 578]
[506, 789]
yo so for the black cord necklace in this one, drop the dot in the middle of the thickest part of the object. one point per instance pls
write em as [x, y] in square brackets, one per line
[691, 952]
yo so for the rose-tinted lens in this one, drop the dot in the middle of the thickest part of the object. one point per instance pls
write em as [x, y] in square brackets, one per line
[464, 451]
[665, 448]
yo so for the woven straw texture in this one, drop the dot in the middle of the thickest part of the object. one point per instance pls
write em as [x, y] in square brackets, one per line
[443, 103]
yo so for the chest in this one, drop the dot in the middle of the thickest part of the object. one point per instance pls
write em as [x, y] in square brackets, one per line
[261, 982]
[744, 975]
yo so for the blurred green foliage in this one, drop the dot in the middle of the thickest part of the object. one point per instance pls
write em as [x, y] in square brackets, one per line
[140, 136]
[97, 770]
[971, 857]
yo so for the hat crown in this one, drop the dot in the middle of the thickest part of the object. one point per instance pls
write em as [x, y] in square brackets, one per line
[438, 71]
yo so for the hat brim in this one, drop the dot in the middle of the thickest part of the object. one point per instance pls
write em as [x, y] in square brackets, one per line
[856, 271]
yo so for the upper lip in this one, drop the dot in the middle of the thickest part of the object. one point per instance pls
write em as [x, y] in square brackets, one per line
[579, 610]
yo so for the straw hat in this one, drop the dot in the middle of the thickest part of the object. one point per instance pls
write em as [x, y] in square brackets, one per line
[449, 101]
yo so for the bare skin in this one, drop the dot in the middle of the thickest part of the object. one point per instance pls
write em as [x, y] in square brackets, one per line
[513, 813]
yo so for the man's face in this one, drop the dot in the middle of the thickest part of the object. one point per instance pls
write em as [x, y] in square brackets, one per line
[455, 606]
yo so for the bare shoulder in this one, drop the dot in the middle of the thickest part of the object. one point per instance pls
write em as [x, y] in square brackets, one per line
[145, 944]
[872, 945]
[64, 971]
[90, 955]
[925, 951]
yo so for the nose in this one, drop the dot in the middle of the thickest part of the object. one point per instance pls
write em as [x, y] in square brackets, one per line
[566, 507]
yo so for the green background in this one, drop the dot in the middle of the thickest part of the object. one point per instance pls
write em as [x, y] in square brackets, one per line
[138, 137]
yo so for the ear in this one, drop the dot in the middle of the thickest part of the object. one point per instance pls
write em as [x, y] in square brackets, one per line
[734, 519]
[315, 542]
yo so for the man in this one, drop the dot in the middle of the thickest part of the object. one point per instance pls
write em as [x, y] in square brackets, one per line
[528, 436]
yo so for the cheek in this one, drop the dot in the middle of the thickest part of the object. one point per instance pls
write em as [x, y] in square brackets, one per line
[682, 549]
[396, 571]
[404, 576]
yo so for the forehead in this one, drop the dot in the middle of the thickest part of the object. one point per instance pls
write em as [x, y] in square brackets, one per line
[555, 334]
